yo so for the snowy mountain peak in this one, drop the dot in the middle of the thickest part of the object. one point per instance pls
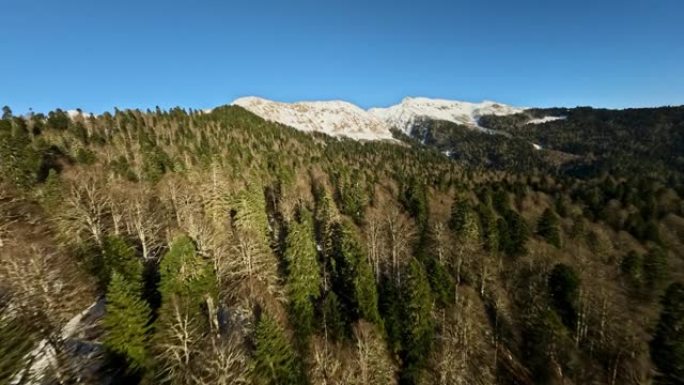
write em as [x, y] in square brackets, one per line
[335, 117]
[340, 118]
[411, 110]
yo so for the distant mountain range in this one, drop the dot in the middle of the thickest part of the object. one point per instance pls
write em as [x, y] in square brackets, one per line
[340, 118]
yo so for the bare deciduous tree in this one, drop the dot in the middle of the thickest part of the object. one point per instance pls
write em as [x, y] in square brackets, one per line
[400, 232]
[144, 221]
[85, 209]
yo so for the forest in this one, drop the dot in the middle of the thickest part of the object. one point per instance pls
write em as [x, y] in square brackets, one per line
[188, 247]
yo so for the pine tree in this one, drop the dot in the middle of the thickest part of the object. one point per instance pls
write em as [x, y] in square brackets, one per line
[464, 222]
[126, 321]
[274, 361]
[187, 284]
[518, 233]
[118, 255]
[564, 290]
[303, 274]
[667, 346]
[186, 276]
[490, 231]
[655, 268]
[549, 228]
[417, 324]
[352, 276]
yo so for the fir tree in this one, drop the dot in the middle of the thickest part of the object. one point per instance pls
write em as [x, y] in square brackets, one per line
[352, 276]
[126, 321]
[549, 228]
[303, 274]
[564, 290]
[186, 275]
[274, 361]
[417, 324]
[667, 346]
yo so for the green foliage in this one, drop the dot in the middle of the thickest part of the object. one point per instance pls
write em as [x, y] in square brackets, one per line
[58, 120]
[351, 275]
[155, 163]
[185, 277]
[414, 200]
[350, 194]
[118, 256]
[549, 227]
[545, 338]
[417, 326]
[632, 267]
[19, 162]
[667, 346]
[85, 156]
[17, 339]
[655, 268]
[516, 233]
[303, 273]
[564, 286]
[332, 321]
[490, 231]
[126, 321]
[465, 222]
[274, 361]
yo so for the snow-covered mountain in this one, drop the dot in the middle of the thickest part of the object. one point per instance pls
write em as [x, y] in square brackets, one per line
[336, 118]
[411, 111]
[339, 118]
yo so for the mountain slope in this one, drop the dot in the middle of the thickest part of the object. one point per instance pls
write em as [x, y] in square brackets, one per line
[339, 118]
[405, 115]
[335, 118]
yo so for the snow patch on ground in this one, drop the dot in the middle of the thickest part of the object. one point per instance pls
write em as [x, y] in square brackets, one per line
[546, 119]
[43, 355]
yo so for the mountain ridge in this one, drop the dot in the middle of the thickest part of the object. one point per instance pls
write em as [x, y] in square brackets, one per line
[342, 118]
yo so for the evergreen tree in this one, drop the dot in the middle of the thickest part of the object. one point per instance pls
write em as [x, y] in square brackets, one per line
[490, 231]
[352, 276]
[118, 256]
[274, 361]
[632, 267]
[549, 228]
[414, 199]
[518, 233]
[667, 346]
[564, 290]
[465, 224]
[303, 274]
[655, 268]
[186, 275]
[126, 321]
[332, 321]
[417, 325]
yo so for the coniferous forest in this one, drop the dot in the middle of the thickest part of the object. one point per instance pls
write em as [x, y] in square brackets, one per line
[188, 247]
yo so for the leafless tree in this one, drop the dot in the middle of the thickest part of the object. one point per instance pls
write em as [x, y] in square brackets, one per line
[144, 221]
[85, 209]
[400, 232]
[373, 364]
[223, 362]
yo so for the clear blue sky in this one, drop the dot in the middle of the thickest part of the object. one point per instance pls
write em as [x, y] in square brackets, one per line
[97, 54]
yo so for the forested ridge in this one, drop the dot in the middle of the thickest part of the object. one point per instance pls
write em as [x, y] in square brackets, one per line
[188, 247]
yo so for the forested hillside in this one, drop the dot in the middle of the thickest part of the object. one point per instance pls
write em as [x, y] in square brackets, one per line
[189, 247]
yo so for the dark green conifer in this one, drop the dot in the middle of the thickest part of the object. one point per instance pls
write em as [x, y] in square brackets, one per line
[667, 346]
[549, 227]
[126, 321]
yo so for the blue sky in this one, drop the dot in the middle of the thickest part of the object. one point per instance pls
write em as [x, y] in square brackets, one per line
[140, 54]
